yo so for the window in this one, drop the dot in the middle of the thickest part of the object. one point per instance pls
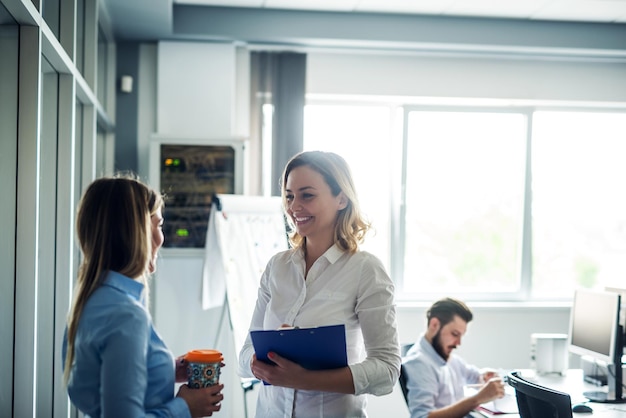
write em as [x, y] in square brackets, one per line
[362, 136]
[464, 195]
[461, 207]
[578, 203]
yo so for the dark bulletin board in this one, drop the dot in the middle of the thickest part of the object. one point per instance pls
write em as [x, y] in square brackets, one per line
[189, 176]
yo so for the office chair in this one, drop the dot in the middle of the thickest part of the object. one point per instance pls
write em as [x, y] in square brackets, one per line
[535, 401]
[404, 348]
[402, 379]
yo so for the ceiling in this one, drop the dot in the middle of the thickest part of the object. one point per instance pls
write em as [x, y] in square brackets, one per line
[200, 19]
[563, 10]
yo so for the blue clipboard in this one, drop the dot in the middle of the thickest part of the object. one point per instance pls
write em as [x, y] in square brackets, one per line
[317, 348]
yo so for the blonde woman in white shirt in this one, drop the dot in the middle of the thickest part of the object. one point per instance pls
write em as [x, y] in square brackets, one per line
[324, 280]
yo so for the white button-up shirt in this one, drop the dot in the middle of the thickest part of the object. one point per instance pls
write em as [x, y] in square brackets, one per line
[340, 288]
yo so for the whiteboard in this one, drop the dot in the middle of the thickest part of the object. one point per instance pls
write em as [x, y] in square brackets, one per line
[241, 239]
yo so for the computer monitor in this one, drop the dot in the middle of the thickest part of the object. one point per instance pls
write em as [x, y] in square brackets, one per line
[622, 316]
[536, 401]
[595, 332]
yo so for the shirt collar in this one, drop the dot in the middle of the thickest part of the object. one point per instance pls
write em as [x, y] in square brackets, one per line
[428, 348]
[124, 284]
[332, 254]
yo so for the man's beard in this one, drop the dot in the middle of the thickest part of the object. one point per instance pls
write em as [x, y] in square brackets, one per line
[438, 347]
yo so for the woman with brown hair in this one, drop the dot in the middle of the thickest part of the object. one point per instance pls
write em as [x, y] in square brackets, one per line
[116, 364]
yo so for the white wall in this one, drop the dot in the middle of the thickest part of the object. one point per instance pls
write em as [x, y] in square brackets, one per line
[196, 89]
[499, 334]
[146, 114]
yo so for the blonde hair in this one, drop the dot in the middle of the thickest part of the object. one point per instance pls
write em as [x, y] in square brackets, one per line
[350, 226]
[114, 232]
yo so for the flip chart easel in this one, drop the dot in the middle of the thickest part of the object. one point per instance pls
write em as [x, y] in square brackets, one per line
[244, 232]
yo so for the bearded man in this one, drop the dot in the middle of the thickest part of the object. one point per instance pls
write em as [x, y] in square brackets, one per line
[436, 376]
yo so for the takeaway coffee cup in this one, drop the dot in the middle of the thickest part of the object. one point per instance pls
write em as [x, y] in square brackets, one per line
[203, 368]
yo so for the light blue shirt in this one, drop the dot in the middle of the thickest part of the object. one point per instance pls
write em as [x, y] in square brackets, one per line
[432, 382]
[122, 367]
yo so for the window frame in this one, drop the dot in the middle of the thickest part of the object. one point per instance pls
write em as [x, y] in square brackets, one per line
[401, 108]
[399, 238]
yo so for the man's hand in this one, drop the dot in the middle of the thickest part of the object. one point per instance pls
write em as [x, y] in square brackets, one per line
[488, 374]
[493, 389]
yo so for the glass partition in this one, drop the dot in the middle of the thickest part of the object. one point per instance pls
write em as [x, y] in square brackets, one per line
[49, 111]
[51, 11]
[44, 97]
[79, 58]
[9, 47]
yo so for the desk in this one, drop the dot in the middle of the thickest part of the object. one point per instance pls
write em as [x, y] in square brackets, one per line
[573, 384]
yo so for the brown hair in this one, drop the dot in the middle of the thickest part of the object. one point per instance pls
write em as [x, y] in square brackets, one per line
[446, 309]
[114, 232]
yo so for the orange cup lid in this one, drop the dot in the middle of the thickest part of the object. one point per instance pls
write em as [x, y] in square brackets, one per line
[204, 356]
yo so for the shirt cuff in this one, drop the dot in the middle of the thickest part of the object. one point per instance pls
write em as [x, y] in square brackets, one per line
[362, 383]
[359, 379]
[361, 373]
